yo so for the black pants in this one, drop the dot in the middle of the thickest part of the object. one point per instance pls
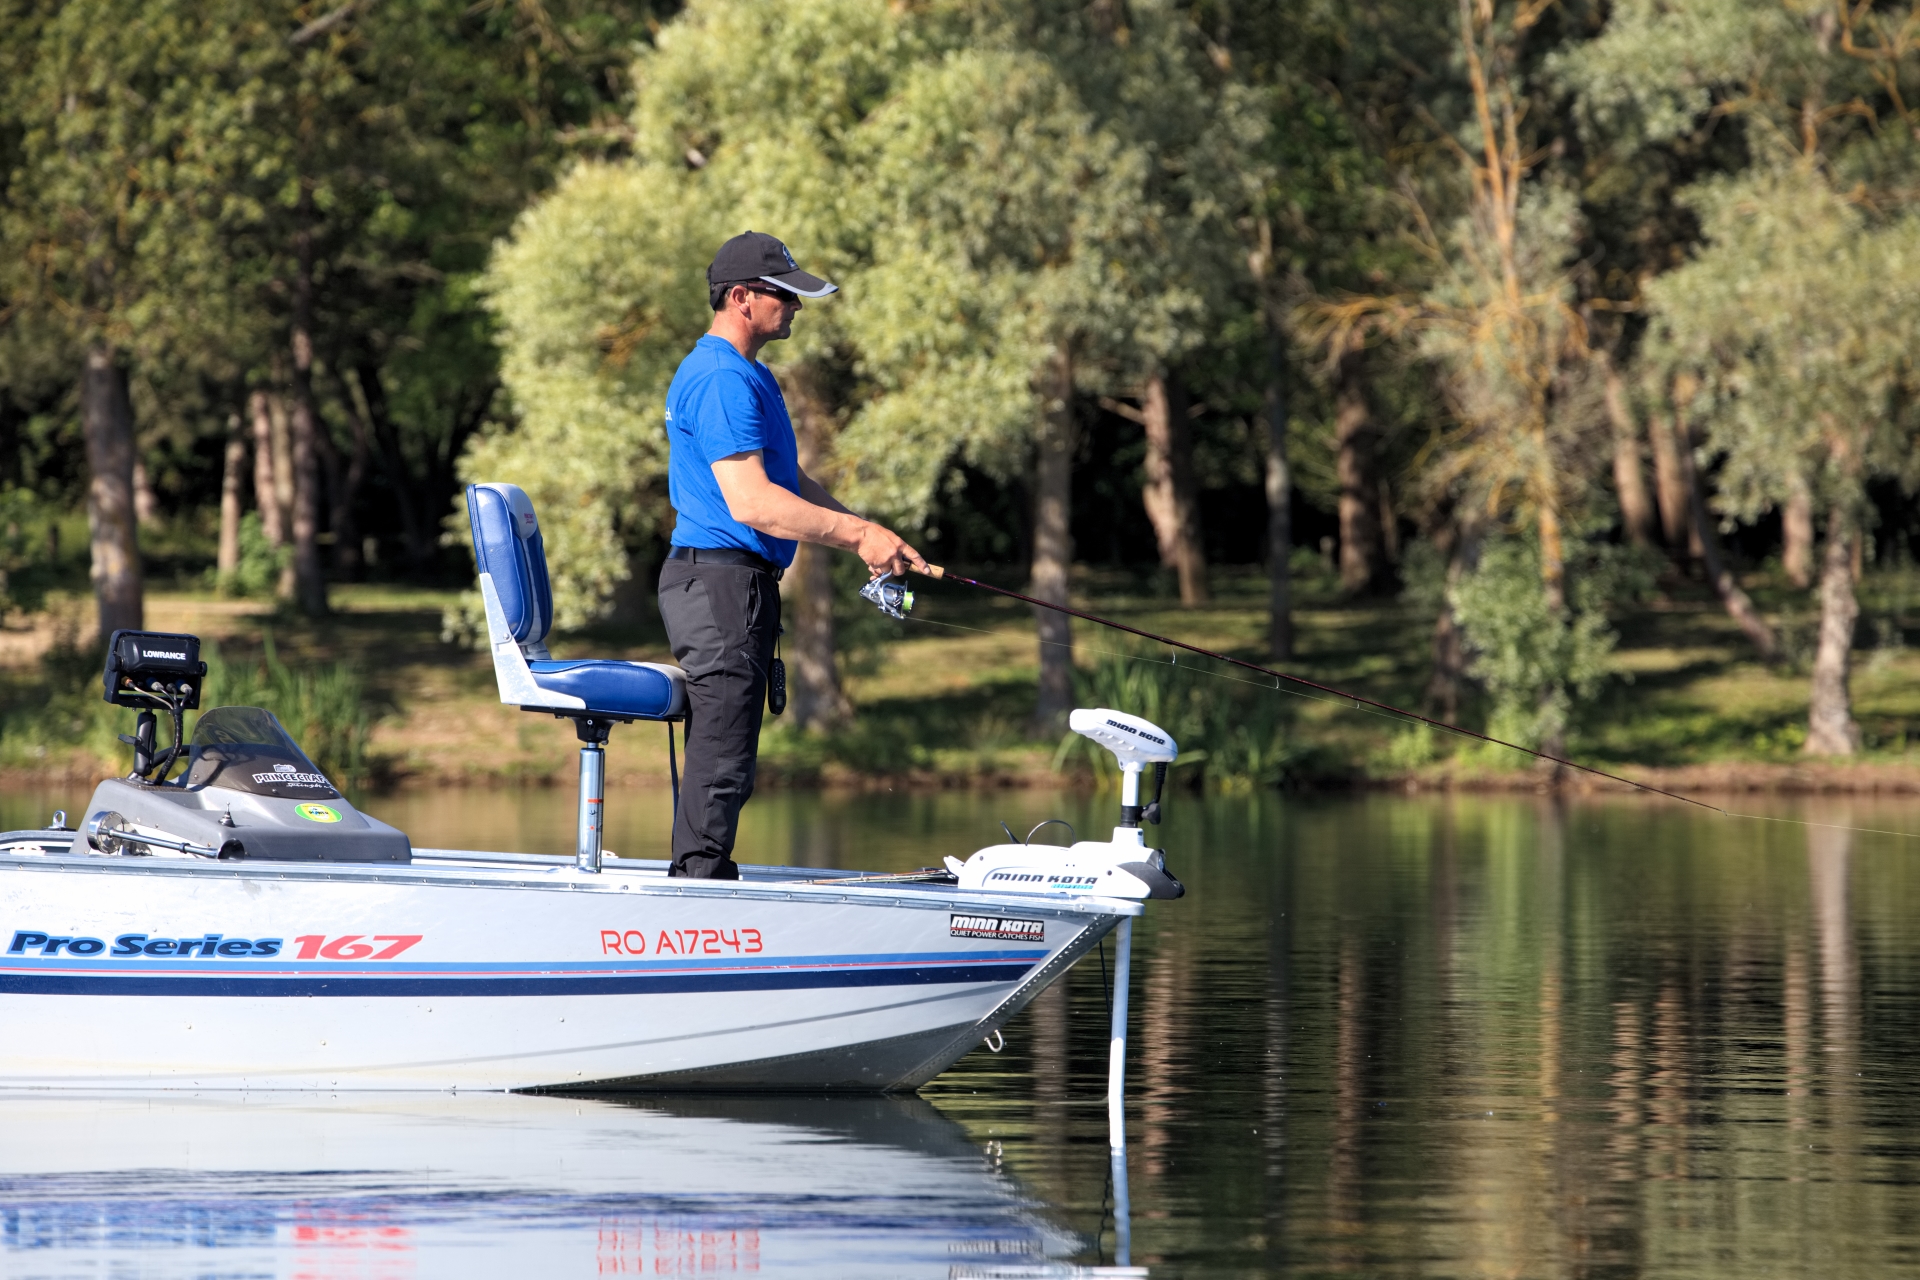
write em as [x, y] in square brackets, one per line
[721, 621]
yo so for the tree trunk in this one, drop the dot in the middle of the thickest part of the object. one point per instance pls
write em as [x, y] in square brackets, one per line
[1461, 545]
[1831, 730]
[345, 513]
[1389, 528]
[1553, 558]
[1279, 502]
[1706, 540]
[146, 507]
[233, 481]
[1796, 524]
[282, 476]
[266, 486]
[1279, 477]
[106, 419]
[1670, 486]
[309, 579]
[419, 546]
[343, 493]
[1170, 497]
[1053, 540]
[817, 700]
[1629, 481]
[1357, 440]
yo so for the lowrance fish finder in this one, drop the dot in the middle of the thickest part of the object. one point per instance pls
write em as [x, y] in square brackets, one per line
[148, 670]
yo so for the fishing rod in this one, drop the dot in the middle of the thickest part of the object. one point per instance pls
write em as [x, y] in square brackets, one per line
[892, 597]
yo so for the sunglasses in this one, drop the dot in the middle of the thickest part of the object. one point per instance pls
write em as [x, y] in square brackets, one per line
[779, 295]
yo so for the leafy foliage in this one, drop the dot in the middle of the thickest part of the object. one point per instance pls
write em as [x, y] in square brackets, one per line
[1233, 733]
[1536, 661]
[325, 708]
[1799, 321]
[1518, 207]
[260, 562]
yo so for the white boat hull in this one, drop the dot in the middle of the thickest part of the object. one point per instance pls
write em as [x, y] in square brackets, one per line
[462, 973]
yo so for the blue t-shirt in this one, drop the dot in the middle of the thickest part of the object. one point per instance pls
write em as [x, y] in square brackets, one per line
[720, 404]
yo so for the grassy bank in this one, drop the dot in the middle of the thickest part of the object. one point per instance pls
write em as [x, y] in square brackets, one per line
[946, 699]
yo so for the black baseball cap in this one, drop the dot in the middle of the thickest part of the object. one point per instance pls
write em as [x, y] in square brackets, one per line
[754, 256]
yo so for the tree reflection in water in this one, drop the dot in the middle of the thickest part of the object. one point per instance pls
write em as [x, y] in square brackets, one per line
[1499, 1036]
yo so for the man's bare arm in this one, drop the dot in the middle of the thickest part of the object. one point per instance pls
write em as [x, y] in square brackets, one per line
[813, 491]
[759, 503]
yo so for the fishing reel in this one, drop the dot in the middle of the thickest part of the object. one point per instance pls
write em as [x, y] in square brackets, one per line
[150, 669]
[890, 595]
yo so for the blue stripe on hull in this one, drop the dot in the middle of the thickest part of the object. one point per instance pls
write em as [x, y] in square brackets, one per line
[69, 984]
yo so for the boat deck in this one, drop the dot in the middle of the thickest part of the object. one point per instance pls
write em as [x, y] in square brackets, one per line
[485, 868]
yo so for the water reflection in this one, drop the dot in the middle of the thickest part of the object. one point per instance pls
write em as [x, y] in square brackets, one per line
[397, 1186]
[1496, 1037]
[1472, 1036]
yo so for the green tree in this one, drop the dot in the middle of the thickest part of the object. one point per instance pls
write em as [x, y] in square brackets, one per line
[1789, 330]
[1797, 318]
[1498, 319]
[598, 296]
[103, 241]
[299, 196]
[1007, 222]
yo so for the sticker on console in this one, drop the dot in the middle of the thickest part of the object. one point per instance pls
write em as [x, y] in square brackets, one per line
[288, 775]
[317, 812]
[1001, 927]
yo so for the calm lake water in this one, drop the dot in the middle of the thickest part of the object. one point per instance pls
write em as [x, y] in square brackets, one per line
[1380, 1036]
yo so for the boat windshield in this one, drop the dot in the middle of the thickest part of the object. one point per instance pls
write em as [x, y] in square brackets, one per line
[245, 749]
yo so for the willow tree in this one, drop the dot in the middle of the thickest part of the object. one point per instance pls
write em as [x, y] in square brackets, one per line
[1150, 77]
[1004, 221]
[1792, 320]
[1501, 325]
[1799, 320]
[598, 296]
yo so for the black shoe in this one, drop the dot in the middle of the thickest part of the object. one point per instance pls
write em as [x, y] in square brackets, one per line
[702, 866]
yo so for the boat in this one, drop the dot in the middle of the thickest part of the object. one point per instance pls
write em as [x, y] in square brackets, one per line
[244, 926]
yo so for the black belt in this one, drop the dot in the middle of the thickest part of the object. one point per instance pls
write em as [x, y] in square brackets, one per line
[726, 555]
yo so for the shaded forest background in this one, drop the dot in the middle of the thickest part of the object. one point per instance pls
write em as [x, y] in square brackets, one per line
[1521, 314]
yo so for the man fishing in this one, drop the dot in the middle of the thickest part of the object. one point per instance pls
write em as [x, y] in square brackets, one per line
[741, 503]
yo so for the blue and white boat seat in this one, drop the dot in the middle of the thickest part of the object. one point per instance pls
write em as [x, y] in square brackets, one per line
[519, 599]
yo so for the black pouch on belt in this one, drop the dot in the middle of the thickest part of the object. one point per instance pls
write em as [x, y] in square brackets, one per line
[777, 679]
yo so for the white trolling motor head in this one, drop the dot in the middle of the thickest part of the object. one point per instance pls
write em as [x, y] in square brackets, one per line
[1135, 743]
[1123, 867]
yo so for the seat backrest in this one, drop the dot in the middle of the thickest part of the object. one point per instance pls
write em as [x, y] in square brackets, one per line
[507, 547]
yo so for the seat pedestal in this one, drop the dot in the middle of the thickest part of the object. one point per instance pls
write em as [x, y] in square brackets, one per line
[594, 732]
